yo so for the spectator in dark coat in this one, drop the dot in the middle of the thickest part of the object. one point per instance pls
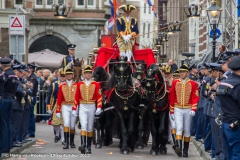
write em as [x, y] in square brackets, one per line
[173, 65]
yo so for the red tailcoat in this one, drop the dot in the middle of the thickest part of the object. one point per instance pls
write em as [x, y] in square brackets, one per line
[90, 94]
[66, 95]
[184, 95]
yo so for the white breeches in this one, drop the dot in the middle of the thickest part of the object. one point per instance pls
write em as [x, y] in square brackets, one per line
[183, 121]
[127, 54]
[68, 119]
[172, 123]
[86, 115]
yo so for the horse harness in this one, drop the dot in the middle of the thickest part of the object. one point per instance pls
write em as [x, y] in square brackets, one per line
[158, 96]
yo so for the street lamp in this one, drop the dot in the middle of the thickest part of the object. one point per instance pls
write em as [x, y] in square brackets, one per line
[178, 25]
[60, 10]
[192, 11]
[214, 15]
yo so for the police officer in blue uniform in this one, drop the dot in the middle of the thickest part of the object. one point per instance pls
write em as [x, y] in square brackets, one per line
[206, 103]
[33, 79]
[17, 106]
[200, 123]
[23, 135]
[217, 152]
[228, 91]
[237, 50]
[193, 72]
[9, 91]
[2, 121]
[70, 57]
[193, 76]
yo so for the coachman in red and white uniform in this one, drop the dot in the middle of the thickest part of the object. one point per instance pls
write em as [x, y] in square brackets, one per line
[65, 99]
[184, 97]
[89, 99]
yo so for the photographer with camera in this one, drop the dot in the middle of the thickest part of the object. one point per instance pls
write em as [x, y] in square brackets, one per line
[228, 92]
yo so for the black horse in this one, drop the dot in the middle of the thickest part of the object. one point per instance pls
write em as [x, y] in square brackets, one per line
[142, 121]
[103, 124]
[158, 109]
[125, 98]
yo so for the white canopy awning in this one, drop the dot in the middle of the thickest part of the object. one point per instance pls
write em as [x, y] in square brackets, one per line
[46, 58]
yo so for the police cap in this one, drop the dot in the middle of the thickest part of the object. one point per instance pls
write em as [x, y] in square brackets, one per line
[32, 66]
[16, 62]
[18, 67]
[237, 50]
[206, 65]
[227, 55]
[192, 67]
[234, 64]
[5, 60]
[25, 68]
[71, 46]
[215, 66]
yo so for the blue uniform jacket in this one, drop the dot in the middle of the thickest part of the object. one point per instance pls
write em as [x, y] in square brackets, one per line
[52, 92]
[229, 92]
[121, 26]
[19, 96]
[11, 84]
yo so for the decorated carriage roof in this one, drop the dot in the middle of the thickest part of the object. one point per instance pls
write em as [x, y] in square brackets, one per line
[105, 55]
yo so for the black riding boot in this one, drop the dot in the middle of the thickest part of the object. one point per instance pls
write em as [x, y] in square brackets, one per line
[89, 142]
[178, 149]
[174, 141]
[72, 145]
[66, 136]
[83, 145]
[185, 149]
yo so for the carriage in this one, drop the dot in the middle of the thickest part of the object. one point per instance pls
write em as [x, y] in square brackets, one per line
[107, 56]
[123, 92]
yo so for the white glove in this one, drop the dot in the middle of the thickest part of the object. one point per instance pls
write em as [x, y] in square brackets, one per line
[125, 38]
[58, 115]
[129, 36]
[98, 111]
[49, 111]
[192, 113]
[74, 113]
[172, 117]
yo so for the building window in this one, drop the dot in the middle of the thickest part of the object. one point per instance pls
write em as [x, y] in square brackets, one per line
[39, 2]
[164, 11]
[90, 2]
[143, 30]
[144, 9]
[80, 2]
[148, 30]
[149, 11]
[49, 2]
[60, 1]
[20, 1]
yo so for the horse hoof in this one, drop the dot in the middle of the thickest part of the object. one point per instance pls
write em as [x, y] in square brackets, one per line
[163, 152]
[153, 153]
[98, 145]
[131, 149]
[125, 152]
[140, 147]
